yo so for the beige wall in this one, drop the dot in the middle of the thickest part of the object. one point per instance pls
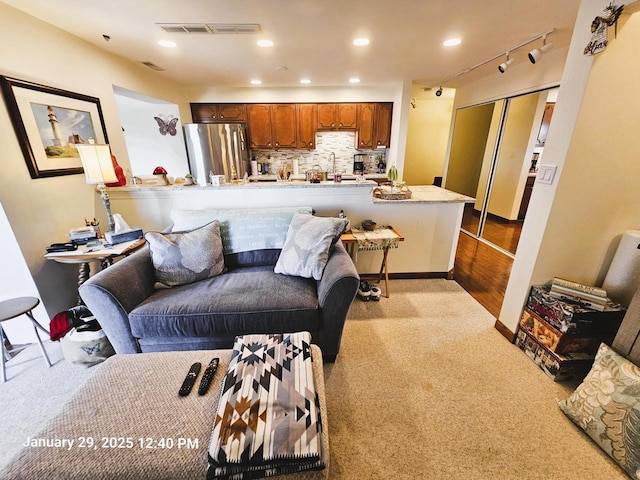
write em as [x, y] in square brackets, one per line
[41, 211]
[427, 134]
[573, 225]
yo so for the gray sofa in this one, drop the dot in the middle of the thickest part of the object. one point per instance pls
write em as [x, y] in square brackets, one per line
[208, 314]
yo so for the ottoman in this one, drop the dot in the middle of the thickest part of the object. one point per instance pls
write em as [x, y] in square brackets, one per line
[127, 422]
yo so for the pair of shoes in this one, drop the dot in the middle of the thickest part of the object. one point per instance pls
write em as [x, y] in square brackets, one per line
[368, 291]
[364, 291]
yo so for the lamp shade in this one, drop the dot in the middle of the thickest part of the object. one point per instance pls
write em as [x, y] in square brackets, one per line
[97, 163]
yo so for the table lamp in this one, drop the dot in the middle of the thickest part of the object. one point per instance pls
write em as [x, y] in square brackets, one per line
[98, 169]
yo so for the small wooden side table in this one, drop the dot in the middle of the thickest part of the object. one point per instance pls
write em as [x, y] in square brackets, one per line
[104, 255]
[351, 244]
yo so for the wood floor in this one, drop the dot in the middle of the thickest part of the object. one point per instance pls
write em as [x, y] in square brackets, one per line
[483, 271]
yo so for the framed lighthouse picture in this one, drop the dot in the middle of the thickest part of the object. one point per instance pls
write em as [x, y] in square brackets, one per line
[49, 123]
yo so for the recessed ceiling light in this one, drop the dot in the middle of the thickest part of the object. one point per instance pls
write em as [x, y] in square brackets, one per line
[452, 42]
[306, 81]
[167, 43]
[361, 42]
[354, 80]
[256, 82]
[264, 43]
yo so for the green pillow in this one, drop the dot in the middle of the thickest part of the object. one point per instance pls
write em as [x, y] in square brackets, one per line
[306, 248]
[606, 406]
[186, 257]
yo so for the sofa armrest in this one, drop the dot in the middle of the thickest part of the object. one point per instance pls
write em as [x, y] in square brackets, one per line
[336, 291]
[112, 293]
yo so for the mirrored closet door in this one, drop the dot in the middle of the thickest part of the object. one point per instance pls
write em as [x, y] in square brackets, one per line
[495, 151]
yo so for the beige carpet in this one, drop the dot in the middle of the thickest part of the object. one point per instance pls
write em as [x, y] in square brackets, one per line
[425, 388]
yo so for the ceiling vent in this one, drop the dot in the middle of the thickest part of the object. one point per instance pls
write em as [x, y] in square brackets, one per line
[211, 28]
[153, 66]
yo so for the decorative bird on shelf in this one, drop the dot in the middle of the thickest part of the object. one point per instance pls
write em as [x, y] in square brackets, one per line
[608, 17]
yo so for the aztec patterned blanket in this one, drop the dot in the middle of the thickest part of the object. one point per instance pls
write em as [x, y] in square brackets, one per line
[268, 419]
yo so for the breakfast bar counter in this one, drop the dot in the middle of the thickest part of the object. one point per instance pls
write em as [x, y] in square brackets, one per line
[430, 220]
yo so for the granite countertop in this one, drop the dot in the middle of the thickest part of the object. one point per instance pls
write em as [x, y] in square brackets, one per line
[251, 185]
[430, 194]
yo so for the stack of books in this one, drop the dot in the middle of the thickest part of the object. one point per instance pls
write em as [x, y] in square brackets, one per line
[592, 297]
[83, 235]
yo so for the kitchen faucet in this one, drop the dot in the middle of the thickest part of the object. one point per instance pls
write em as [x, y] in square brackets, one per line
[333, 169]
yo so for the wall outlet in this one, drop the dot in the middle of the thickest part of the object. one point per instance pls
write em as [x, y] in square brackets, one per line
[546, 174]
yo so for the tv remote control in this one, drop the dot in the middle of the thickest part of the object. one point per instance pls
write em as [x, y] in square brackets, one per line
[209, 373]
[190, 379]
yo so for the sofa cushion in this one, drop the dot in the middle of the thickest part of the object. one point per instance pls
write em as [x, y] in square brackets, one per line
[306, 250]
[242, 229]
[246, 300]
[185, 257]
[606, 406]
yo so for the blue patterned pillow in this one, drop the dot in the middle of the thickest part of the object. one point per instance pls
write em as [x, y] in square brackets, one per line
[306, 249]
[186, 257]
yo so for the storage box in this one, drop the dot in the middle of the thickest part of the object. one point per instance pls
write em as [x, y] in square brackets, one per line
[559, 342]
[572, 317]
[558, 367]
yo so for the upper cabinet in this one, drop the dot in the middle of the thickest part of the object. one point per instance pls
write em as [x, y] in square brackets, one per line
[283, 123]
[218, 112]
[259, 126]
[293, 125]
[383, 124]
[337, 116]
[272, 126]
[374, 125]
[307, 125]
[366, 126]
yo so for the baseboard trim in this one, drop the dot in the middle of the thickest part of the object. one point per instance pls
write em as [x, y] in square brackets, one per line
[506, 332]
[409, 275]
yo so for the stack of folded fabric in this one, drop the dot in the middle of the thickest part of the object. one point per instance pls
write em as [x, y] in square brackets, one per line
[268, 420]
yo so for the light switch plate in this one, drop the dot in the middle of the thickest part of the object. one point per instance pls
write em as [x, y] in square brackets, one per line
[546, 174]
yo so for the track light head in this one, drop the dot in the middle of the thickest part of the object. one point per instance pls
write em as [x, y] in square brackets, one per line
[536, 53]
[503, 66]
[439, 91]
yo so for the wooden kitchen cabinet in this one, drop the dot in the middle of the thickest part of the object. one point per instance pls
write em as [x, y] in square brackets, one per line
[272, 126]
[365, 133]
[217, 112]
[337, 116]
[383, 124]
[284, 125]
[307, 125]
[259, 126]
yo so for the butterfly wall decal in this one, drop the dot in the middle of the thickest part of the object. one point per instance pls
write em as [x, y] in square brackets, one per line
[91, 350]
[167, 124]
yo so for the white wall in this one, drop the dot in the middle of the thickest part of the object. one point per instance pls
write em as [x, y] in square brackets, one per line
[41, 211]
[147, 146]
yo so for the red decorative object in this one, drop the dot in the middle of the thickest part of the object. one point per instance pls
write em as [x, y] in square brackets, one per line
[122, 180]
[159, 171]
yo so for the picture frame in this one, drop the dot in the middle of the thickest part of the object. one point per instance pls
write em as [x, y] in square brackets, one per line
[48, 122]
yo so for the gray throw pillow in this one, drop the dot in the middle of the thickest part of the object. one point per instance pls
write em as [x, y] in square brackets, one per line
[186, 257]
[306, 249]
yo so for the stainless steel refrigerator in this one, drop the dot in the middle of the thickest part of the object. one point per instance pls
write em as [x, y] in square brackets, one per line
[215, 148]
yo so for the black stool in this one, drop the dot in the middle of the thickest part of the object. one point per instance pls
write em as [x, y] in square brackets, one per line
[14, 308]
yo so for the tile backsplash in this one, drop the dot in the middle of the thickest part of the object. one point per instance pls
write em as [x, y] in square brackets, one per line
[340, 143]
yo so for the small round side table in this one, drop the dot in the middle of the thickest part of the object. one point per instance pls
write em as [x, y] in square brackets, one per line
[14, 308]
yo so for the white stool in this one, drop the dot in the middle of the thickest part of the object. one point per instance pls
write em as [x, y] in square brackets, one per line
[14, 308]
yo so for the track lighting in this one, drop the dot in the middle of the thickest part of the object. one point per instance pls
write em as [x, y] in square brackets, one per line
[536, 53]
[534, 56]
[503, 66]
